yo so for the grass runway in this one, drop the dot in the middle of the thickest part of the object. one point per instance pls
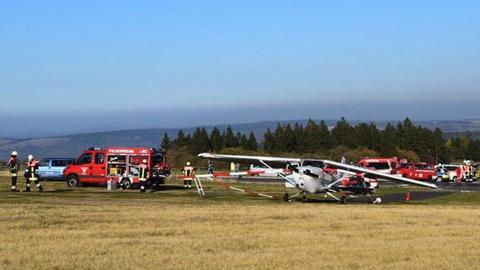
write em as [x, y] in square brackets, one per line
[90, 228]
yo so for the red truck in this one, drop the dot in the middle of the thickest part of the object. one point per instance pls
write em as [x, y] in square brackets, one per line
[418, 171]
[117, 164]
[384, 165]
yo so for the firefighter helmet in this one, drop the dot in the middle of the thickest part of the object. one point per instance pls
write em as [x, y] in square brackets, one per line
[14, 154]
[188, 163]
[30, 157]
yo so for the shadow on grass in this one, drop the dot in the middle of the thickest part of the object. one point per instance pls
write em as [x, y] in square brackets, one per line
[169, 188]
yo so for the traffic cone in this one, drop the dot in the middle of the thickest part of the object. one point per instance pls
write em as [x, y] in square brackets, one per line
[407, 197]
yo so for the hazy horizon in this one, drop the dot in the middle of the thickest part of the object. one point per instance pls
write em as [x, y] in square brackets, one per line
[59, 124]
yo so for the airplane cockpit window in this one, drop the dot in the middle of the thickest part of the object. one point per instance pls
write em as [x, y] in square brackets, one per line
[313, 163]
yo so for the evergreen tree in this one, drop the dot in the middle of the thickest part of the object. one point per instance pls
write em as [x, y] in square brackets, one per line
[252, 142]
[269, 141]
[312, 138]
[165, 142]
[243, 143]
[229, 138]
[181, 140]
[238, 137]
[343, 133]
[216, 140]
[290, 140]
[200, 141]
[441, 150]
[473, 150]
[280, 140]
[300, 138]
[324, 136]
[388, 141]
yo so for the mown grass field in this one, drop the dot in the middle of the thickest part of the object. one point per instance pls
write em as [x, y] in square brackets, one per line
[90, 228]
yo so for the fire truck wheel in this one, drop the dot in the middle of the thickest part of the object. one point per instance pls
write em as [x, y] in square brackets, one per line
[126, 184]
[72, 181]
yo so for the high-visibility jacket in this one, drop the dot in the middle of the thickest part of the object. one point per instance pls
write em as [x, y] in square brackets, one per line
[142, 174]
[33, 169]
[459, 172]
[13, 164]
[188, 172]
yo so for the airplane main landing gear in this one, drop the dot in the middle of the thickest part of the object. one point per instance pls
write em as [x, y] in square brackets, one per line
[286, 197]
[343, 200]
[304, 198]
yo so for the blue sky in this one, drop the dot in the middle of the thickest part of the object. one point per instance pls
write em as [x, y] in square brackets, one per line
[74, 58]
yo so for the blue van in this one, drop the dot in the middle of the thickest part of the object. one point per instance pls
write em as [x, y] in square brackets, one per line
[52, 168]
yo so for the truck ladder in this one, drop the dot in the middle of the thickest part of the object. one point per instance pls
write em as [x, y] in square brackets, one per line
[199, 186]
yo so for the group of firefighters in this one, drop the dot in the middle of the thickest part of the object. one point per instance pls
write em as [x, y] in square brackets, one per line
[464, 172]
[31, 173]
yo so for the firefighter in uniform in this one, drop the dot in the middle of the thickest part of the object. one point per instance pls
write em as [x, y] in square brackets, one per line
[31, 174]
[142, 175]
[13, 165]
[189, 172]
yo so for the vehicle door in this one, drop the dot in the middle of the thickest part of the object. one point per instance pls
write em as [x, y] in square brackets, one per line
[411, 172]
[44, 168]
[98, 168]
[58, 165]
[85, 164]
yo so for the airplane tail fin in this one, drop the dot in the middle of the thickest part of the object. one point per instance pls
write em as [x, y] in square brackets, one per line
[340, 175]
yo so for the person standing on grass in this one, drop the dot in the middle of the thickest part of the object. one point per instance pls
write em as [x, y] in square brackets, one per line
[13, 166]
[210, 167]
[31, 175]
[189, 173]
[143, 175]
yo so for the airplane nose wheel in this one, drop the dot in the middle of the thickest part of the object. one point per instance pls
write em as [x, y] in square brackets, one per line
[343, 200]
[286, 197]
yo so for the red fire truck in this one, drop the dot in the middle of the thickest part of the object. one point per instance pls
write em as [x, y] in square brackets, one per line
[117, 164]
[418, 171]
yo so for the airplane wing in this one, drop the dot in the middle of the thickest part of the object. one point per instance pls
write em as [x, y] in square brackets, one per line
[274, 162]
[390, 177]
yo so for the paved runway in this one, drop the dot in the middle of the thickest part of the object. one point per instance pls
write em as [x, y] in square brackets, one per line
[445, 189]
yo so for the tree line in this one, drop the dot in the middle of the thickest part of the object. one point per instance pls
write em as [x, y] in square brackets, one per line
[201, 141]
[316, 139]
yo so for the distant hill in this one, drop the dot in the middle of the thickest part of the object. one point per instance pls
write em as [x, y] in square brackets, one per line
[72, 145]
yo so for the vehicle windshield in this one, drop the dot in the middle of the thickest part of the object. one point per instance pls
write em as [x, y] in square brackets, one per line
[85, 159]
[424, 167]
[450, 168]
[60, 163]
[44, 162]
[379, 165]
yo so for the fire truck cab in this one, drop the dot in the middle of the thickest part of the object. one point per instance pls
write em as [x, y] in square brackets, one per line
[383, 165]
[117, 164]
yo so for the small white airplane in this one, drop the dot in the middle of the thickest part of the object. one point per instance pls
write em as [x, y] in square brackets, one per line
[319, 176]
